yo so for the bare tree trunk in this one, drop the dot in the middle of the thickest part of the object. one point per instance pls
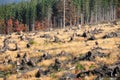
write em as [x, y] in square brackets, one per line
[61, 25]
[114, 12]
[103, 15]
[70, 22]
[33, 27]
[54, 22]
[110, 13]
[92, 18]
[49, 16]
[64, 14]
[48, 21]
[96, 13]
[42, 24]
[82, 19]
[78, 16]
[6, 26]
[75, 20]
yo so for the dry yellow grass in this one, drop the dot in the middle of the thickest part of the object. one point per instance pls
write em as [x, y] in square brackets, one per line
[76, 47]
[5, 67]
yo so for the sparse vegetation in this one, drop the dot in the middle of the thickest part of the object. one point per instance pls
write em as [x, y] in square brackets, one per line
[53, 75]
[80, 66]
[32, 42]
[92, 66]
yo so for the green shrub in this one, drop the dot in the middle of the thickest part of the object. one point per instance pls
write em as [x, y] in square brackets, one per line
[53, 75]
[92, 67]
[79, 66]
[32, 42]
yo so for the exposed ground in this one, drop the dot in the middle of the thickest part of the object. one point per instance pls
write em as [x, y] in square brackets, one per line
[60, 54]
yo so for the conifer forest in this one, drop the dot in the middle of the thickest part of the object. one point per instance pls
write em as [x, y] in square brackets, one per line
[36, 14]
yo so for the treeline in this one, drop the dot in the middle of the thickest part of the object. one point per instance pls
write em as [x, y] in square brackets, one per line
[41, 14]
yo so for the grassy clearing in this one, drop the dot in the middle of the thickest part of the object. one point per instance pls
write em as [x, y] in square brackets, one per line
[76, 47]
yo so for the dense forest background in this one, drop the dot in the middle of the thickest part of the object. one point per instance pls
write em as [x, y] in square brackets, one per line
[31, 15]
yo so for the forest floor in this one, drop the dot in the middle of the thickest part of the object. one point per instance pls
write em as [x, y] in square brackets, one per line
[68, 46]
